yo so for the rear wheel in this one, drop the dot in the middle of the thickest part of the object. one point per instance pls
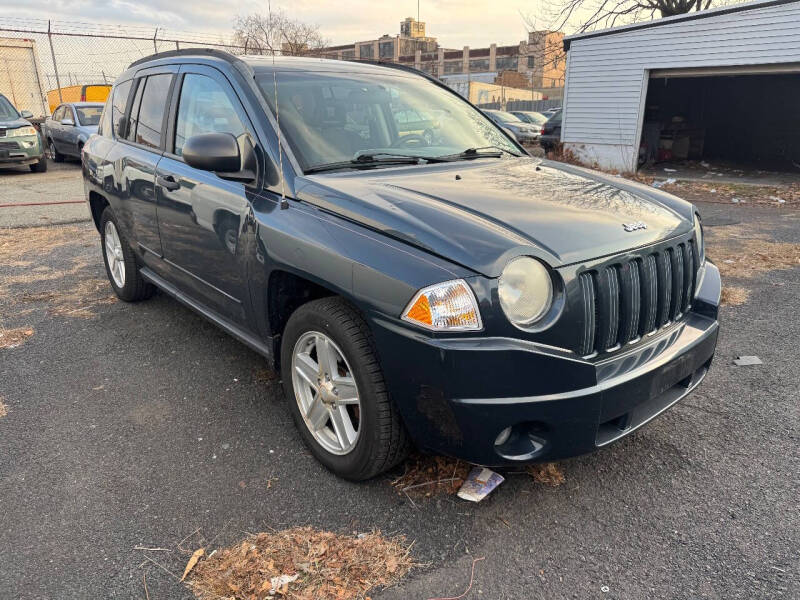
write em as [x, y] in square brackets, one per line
[121, 266]
[336, 391]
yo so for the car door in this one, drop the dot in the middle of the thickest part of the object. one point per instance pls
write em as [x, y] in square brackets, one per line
[201, 216]
[54, 127]
[142, 141]
[69, 133]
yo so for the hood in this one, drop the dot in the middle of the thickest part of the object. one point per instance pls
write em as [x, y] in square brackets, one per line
[480, 213]
[14, 123]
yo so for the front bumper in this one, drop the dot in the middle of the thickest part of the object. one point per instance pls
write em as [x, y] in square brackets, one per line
[20, 150]
[458, 394]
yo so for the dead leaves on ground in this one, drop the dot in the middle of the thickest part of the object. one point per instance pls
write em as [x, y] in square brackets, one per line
[328, 566]
[3, 408]
[12, 338]
[426, 475]
[744, 252]
[192, 562]
[734, 296]
[736, 193]
[547, 473]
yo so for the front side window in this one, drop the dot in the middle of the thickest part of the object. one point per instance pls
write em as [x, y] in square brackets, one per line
[58, 114]
[151, 110]
[88, 115]
[334, 117]
[120, 103]
[204, 107]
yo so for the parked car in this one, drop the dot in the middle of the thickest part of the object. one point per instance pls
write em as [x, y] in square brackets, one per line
[523, 131]
[551, 132]
[95, 92]
[531, 117]
[67, 130]
[458, 295]
[20, 143]
[549, 112]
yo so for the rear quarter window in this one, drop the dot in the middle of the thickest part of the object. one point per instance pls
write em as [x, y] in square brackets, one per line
[118, 107]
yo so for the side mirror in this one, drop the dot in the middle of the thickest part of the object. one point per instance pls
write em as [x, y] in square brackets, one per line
[221, 153]
[68, 122]
[26, 114]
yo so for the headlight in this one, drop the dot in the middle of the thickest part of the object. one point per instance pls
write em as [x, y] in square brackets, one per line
[21, 131]
[448, 306]
[698, 236]
[525, 290]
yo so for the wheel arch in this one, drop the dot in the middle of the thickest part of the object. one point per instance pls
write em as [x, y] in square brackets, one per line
[97, 204]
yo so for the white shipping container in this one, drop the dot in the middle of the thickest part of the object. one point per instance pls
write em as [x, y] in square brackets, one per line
[20, 75]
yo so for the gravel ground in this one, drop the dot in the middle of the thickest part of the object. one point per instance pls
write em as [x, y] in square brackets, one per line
[142, 424]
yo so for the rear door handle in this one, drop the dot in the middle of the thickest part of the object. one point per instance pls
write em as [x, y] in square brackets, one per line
[168, 182]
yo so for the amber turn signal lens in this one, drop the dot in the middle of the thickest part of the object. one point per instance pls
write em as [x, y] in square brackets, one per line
[448, 306]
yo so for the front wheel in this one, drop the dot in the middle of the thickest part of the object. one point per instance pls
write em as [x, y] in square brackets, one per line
[40, 166]
[121, 266]
[336, 392]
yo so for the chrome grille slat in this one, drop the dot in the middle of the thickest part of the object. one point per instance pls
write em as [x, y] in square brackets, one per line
[587, 290]
[664, 287]
[677, 282]
[688, 275]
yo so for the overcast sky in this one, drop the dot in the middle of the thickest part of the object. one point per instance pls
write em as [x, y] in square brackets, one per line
[455, 22]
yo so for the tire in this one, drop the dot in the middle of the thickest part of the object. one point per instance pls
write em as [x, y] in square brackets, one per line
[382, 441]
[130, 286]
[39, 167]
[54, 154]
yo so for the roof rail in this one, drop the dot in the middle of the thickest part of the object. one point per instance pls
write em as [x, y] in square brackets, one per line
[212, 52]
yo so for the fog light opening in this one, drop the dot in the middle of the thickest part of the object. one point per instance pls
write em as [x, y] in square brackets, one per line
[521, 441]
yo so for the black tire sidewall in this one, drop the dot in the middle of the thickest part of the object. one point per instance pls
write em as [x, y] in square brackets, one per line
[356, 464]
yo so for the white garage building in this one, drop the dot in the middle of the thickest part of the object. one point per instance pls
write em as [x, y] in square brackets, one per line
[720, 84]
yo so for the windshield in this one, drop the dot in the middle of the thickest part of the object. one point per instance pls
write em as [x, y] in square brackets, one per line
[536, 117]
[505, 117]
[335, 117]
[7, 110]
[89, 115]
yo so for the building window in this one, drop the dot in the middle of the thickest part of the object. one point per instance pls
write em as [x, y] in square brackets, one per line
[365, 51]
[453, 66]
[531, 62]
[386, 49]
[348, 54]
[506, 63]
[479, 65]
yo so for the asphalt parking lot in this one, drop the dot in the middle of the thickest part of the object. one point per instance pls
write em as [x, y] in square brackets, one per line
[142, 425]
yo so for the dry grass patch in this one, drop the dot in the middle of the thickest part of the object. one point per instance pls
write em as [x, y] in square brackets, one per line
[547, 473]
[3, 408]
[734, 296]
[16, 243]
[81, 299]
[264, 375]
[740, 252]
[427, 475]
[736, 193]
[11, 338]
[327, 566]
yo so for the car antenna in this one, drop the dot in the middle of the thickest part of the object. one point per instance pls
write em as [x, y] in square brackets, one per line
[284, 203]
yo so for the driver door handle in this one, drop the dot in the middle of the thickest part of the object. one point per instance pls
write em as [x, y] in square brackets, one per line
[168, 182]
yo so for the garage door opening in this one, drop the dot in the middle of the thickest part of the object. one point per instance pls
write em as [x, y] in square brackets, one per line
[734, 122]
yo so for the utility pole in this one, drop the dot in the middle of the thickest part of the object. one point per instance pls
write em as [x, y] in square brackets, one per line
[55, 66]
[155, 46]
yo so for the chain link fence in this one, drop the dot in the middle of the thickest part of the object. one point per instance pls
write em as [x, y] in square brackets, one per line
[39, 57]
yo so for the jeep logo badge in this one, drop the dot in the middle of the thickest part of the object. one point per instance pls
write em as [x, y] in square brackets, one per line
[634, 226]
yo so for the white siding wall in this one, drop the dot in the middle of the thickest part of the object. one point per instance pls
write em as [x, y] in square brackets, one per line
[606, 75]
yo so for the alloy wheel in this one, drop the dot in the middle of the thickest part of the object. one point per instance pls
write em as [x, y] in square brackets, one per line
[326, 392]
[114, 255]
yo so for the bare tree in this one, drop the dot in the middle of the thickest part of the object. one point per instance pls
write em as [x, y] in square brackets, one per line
[276, 33]
[594, 14]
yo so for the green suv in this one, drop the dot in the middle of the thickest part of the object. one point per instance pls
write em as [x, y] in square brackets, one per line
[20, 143]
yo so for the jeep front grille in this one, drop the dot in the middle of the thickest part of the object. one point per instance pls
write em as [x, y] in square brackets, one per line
[626, 300]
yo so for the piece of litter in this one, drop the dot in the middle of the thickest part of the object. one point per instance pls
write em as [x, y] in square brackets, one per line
[670, 170]
[604, 588]
[479, 483]
[735, 200]
[704, 164]
[778, 200]
[226, 446]
[670, 181]
[747, 361]
[713, 190]
[280, 582]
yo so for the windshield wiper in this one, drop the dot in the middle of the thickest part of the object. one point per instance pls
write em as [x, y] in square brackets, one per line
[470, 153]
[366, 160]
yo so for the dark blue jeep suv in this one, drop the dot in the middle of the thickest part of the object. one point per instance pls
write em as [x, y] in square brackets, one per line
[413, 273]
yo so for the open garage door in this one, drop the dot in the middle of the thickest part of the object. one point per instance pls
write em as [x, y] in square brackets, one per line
[745, 116]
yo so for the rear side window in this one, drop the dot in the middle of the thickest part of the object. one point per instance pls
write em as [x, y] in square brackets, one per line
[130, 133]
[121, 93]
[152, 108]
[204, 108]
